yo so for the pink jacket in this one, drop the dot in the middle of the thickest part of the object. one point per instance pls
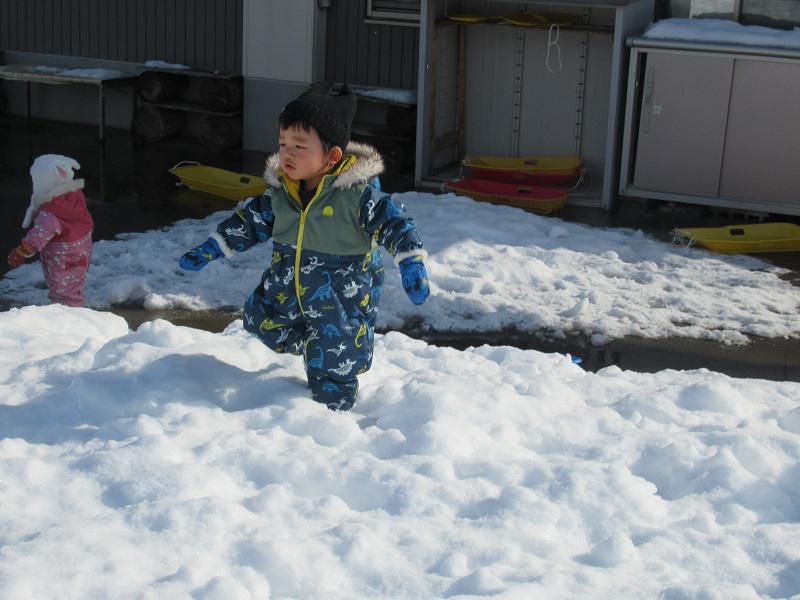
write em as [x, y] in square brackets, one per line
[65, 218]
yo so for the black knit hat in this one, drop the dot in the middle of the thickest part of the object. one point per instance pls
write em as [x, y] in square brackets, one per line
[329, 112]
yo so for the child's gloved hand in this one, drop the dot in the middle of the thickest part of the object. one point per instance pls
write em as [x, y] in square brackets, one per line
[199, 257]
[415, 279]
[18, 255]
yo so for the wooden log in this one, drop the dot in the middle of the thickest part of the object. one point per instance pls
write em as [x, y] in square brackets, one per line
[220, 132]
[156, 123]
[155, 86]
[221, 95]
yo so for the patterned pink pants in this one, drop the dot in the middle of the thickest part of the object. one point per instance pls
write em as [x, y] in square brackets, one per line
[65, 265]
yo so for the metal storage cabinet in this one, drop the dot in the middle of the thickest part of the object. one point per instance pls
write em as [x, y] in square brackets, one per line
[762, 145]
[712, 124]
[682, 123]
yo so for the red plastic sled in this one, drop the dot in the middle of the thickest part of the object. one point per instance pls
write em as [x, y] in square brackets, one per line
[538, 199]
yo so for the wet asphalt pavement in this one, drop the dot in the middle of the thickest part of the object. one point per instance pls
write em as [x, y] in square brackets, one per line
[129, 189]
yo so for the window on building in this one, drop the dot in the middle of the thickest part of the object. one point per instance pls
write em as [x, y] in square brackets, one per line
[395, 12]
[782, 14]
[718, 9]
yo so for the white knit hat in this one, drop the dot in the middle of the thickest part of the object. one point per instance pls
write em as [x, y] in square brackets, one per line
[52, 176]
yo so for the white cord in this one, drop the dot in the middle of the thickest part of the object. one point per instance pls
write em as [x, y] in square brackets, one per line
[580, 179]
[552, 42]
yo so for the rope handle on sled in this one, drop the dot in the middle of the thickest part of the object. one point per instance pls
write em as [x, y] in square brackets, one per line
[584, 171]
[180, 164]
[443, 185]
[186, 162]
[682, 240]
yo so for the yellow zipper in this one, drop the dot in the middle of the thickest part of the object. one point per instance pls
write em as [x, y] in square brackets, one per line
[301, 226]
[298, 251]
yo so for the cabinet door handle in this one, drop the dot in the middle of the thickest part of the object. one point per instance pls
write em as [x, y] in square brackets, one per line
[647, 100]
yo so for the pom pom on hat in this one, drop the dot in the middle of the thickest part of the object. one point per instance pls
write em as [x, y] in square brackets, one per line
[330, 113]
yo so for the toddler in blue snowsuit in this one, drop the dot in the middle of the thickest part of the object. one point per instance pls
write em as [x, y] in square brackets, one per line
[318, 297]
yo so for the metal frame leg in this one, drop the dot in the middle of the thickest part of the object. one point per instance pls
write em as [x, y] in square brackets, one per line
[102, 111]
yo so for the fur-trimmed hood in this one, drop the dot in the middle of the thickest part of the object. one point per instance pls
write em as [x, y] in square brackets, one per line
[368, 164]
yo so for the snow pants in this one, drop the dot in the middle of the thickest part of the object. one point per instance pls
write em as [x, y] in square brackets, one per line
[65, 265]
[334, 330]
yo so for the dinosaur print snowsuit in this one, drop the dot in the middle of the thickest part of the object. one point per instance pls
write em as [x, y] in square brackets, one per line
[318, 297]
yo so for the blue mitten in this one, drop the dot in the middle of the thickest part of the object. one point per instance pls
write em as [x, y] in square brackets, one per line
[415, 279]
[199, 257]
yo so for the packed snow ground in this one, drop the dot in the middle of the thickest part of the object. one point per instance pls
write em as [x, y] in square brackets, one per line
[170, 463]
[491, 268]
[723, 31]
[176, 463]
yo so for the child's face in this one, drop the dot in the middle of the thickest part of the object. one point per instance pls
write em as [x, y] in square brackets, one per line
[302, 156]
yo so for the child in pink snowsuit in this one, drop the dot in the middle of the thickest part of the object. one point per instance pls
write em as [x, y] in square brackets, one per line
[62, 228]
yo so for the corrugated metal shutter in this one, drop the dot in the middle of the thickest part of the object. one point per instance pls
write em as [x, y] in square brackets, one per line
[369, 54]
[203, 34]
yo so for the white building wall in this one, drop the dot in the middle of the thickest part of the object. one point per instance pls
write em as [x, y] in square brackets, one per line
[280, 39]
[283, 45]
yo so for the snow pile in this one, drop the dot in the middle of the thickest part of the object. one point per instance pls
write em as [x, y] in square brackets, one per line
[89, 73]
[174, 463]
[390, 95]
[161, 64]
[721, 31]
[491, 268]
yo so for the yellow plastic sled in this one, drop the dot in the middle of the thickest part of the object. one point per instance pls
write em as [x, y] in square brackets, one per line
[219, 182]
[745, 239]
[468, 18]
[524, 19]
[536, 170]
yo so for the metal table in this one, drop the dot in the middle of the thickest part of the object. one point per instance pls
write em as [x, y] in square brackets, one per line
[57, 76]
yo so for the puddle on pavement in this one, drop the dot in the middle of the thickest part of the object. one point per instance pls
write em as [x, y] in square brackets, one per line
[762, 358]
[774, 359]
[130, 189]
[214, 321]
